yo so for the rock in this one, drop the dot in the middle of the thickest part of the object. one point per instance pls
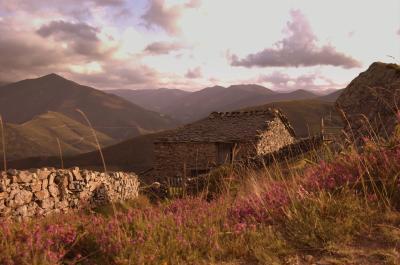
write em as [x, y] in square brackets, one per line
[3, 195]
[42, 195]
[77, 174]
[43, 174]
[370, 101]
[12, 172]
[70, 177]
[62, 204]
[45, 183]
[23, 197]
[5, 212]
[54, 192]
[51, 178]
[36, 186]
[24, 177]
[47, 203]
[22, 211]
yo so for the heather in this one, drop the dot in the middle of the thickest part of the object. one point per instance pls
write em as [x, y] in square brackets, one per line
[339, 206]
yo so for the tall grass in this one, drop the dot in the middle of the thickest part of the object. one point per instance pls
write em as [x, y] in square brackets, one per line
[96, 139]
[60, 153]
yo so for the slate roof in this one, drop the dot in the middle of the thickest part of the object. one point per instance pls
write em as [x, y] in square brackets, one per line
[226, 127]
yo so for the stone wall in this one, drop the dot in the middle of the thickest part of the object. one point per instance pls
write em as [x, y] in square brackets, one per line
[172, 158]
[40, 192]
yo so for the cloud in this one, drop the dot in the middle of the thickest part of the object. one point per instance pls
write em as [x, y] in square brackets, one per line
[81, 38]
[281, 81]
[164, 17]
[194, 73]
[297, 49]
[117, 74]
[24, 54]
[163, 47]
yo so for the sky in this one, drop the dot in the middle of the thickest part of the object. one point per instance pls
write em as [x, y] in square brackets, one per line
[192, 44]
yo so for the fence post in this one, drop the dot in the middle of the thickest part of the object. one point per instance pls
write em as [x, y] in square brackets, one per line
[322, 129]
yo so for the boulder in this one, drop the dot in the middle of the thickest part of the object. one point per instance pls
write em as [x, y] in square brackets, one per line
[368, 105]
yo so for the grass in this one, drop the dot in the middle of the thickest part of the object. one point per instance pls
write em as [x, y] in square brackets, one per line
[337, 208]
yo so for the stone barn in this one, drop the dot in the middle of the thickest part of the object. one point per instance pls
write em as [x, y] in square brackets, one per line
[220, 138]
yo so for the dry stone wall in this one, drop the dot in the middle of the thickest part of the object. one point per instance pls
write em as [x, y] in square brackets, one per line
[40, 192]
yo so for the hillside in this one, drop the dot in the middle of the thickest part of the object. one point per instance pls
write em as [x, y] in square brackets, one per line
[305, 115]
[332, 97]
[38, 137]
[152, 99]
[191, 106]
[112, 115]
[137, 154]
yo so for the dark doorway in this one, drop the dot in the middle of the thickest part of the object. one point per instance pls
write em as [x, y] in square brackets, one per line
[224, 153]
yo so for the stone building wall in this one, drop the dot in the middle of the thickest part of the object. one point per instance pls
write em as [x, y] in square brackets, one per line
[172, 158]
[40, 192]
[275, 138]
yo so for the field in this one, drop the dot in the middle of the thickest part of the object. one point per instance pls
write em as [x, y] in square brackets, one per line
[325, 208]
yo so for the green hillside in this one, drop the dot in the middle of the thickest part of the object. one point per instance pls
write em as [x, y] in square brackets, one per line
[38, 137]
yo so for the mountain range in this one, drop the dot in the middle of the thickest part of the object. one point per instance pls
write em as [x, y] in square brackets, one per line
[39, 111]
[191, 106]
[109, 114]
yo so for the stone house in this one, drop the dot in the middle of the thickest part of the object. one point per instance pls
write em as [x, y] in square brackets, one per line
[220, 138]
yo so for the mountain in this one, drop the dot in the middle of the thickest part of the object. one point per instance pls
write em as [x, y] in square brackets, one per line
[137, 154]
[191, 106]
[110, 114]
[370, 103]
[332, 97]
[38, 137]
[152, 99]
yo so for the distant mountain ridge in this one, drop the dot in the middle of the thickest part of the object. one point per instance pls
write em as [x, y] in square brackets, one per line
[109, 114]
[190, 106]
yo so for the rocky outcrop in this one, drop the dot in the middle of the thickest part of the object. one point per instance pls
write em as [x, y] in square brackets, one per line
[370, 103]
[44, 191]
